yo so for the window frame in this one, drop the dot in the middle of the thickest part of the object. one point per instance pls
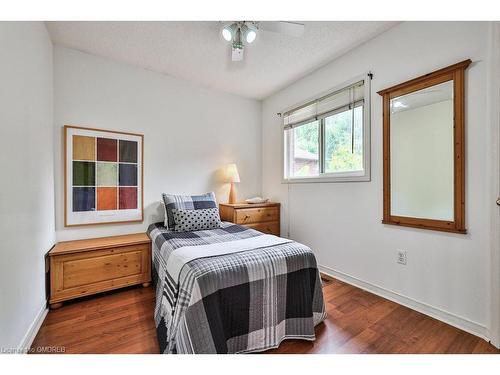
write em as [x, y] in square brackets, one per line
[354, 176]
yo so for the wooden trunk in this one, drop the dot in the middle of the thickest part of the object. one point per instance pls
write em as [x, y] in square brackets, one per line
[85, 267]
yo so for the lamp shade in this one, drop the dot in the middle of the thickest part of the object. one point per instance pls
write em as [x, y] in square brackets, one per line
[232, 174]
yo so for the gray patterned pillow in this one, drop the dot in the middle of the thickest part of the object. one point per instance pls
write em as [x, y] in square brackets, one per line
[185, 202]
[191, 220]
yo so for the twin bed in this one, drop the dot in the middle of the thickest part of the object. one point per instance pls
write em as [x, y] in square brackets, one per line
[232, 289]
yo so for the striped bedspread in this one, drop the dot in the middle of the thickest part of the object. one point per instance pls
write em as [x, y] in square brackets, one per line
[232, 290]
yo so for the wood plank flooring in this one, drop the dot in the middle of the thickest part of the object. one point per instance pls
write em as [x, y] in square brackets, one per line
[358, 322]
[113, 322]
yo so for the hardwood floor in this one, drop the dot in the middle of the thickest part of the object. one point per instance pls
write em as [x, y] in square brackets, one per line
[358, 322]
[362, 322]
[113, 322]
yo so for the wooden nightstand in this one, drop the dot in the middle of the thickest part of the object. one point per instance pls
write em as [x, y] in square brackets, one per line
[264, 217]
[85, 267]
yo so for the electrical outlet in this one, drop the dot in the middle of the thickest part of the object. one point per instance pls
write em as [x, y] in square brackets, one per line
[401, 257]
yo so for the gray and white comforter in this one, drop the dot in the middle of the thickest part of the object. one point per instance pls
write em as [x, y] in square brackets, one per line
[232, 290]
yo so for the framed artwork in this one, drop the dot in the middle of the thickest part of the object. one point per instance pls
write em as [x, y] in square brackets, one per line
[103, 176]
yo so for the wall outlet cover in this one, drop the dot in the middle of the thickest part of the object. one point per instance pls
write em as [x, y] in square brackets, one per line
[401, 257]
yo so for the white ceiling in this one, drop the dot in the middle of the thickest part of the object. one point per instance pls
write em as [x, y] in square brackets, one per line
[195, 51]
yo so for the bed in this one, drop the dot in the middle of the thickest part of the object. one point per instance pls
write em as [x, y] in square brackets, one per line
[232, 290]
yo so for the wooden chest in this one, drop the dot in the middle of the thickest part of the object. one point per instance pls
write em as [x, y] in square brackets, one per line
[264, 217]
[85, 267]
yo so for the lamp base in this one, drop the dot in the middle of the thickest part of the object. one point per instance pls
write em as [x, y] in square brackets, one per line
[232, 194]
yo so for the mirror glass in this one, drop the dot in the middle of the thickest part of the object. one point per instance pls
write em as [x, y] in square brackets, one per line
[421, 153]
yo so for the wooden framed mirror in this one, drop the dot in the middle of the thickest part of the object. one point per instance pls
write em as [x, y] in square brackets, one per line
[424, 151]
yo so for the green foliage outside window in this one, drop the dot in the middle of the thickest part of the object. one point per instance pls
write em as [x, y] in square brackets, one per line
[306, 137]
[340, 155]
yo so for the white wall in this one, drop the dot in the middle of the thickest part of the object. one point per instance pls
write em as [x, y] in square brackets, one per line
[494, 167]
[447, 274]
[27, 175]
[423, 138]
[189, 132]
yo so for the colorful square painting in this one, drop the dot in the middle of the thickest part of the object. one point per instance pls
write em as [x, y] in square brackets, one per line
[103, 176]
[107, 198]
[106, 149]
[128, 197]
[83, 199]
[128, 174]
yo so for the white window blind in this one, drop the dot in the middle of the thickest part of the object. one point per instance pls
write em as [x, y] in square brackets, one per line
[338, 101]
[328, 139]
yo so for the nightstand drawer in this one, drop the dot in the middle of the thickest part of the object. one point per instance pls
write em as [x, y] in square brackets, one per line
[272, 227]
[256, 215]
[264, 217]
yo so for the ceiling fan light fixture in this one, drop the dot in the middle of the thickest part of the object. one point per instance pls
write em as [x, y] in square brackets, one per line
[239, 33]
[228, 32]
[249, 32]
[251, 35]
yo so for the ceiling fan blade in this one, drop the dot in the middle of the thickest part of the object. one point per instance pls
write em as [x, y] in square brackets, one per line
[295, 29]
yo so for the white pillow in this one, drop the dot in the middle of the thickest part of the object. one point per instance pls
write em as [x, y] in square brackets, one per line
[165, 219]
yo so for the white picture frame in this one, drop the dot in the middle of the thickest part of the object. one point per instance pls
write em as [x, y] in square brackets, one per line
[92, 193]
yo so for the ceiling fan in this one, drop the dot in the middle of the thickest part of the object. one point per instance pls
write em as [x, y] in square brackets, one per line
[240, 33]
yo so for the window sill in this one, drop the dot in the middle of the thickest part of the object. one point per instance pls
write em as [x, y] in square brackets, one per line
[364, 177]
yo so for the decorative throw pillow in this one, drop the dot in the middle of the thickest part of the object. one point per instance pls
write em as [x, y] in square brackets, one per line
[190, 220]
[186, 202]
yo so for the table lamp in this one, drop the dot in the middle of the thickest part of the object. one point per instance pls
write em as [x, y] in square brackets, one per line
[232, 176]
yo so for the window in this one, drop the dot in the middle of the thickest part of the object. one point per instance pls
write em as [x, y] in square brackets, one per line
[327, 139]
[305, 160]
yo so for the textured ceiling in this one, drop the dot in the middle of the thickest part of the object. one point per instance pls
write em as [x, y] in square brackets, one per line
[195, 51]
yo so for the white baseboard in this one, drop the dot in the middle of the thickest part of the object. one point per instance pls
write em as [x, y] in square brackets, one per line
[434, 312]
[30, 335]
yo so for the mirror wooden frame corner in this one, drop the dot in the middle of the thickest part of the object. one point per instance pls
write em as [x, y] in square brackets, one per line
[455, 73]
